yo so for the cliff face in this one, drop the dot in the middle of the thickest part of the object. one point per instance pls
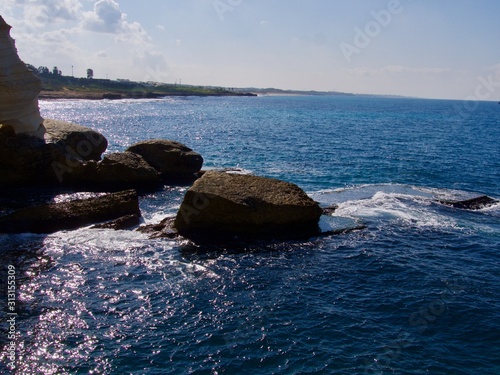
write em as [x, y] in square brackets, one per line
[19, 89]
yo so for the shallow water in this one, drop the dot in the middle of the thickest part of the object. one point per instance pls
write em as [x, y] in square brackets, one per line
[416, 292]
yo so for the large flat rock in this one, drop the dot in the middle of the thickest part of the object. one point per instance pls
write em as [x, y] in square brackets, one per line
[221, 204]
[49, 218]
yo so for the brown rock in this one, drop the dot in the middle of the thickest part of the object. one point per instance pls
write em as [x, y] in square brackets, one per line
[120, 168]
[124, 222]
[164, 229]
[79, 141]
[28, 160]
[169, 157]
[221, 203]
[49, 218]
[124, 169]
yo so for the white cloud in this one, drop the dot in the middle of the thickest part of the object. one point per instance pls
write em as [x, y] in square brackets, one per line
[38, 13]
[69, 33]
[108, 18]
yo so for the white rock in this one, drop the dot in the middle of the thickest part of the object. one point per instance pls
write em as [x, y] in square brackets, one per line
[19, 89]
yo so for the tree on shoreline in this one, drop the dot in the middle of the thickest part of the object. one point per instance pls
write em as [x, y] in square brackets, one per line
[43, 71]
[56, 72]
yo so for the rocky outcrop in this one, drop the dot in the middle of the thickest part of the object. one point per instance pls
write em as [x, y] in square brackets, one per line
[476, 203]
[19, 89]
[169, 157]
[70, 154]
[79, 141]
[164, 229]
[119, 169]
[221, 204]
[124, 222]
[27, 160]
[49, 218]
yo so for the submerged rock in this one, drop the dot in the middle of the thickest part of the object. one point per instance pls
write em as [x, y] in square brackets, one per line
[476, 203]
[19, 89]
[49, 218]
[164, 229]
[168, 157]
[221, 204]
[124, 222]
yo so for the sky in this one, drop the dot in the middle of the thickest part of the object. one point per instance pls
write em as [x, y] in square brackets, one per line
[446, 49]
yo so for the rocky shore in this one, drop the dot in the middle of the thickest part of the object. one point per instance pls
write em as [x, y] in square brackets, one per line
[37, 153]
[100, 94]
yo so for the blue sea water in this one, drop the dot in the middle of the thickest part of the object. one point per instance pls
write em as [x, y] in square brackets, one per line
[416, 292]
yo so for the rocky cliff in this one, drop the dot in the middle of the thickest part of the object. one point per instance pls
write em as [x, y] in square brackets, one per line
[19, 89]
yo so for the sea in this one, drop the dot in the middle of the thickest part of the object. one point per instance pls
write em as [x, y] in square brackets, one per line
[415, 292]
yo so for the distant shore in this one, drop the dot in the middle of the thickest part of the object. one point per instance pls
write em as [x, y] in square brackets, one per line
[68, 94]
[99, 95]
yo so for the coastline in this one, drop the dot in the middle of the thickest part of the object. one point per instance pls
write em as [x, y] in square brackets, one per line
[101, 94]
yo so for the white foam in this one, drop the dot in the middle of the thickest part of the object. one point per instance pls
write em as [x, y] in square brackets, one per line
[404, 204]
[409, 210]
[359, 192]
[493, 210]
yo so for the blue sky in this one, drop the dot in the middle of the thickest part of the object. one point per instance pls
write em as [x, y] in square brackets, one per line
[423, 48]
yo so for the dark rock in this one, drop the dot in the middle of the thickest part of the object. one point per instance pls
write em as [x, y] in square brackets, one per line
[221, 204]
[165, 229]
[124, 169]
[49, 218]
[111, 96]
[79, 141]
[330, 209]
[337, 225]
[27, 160]
[471, 204]
[124, 222]
[7, 131]
[169, 157]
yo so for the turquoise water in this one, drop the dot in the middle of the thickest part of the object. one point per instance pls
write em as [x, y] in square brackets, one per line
[414, 293]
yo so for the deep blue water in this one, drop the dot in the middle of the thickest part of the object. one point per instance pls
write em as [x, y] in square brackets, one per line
[414, 293]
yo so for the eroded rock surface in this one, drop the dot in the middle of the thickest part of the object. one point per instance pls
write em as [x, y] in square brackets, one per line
[169, 157]
[19, 89]
[53, 217]
[221, 204]
[28, 160]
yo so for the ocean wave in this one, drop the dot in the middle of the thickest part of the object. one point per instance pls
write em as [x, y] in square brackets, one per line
[388, 203]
